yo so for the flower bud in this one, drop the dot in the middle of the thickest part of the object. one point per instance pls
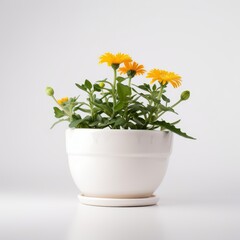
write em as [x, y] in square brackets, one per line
[185, 95]
[101, 84]
[49, 91]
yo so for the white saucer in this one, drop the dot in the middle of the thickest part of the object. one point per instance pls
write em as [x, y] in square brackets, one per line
[118, 202]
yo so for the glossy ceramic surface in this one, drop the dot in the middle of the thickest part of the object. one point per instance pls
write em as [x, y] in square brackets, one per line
[118, 163]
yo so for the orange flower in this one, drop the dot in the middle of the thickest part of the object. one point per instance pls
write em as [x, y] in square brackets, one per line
[132, 69]
[116, 59]
[164, 77]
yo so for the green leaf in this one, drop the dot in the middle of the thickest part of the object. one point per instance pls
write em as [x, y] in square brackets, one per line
[120, 79]
[84, 110]
[162, 107]
[107, 122]
[131, 125]
[135, 97]
[155, 100]
[82, 87]
[88, 84]
[97, 88]
[104, 80]
[104, 107]
[99, 118]
[166, 109]
[85, 121]
[176, 122]
[93, 124]
[165, 99]
[139, 121]
[123, 91]
[144, 87]
[74, 123]
[172, 128]
[119, 122]
[151, 108]
[105, 95]
[97, 100]
[119, 106]
[146, 96]
[58, 113]
[137, 107]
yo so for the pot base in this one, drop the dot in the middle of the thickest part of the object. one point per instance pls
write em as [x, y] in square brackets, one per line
[118, 202]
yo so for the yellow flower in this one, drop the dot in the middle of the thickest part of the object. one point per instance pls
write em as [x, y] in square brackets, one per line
[62, 100]
[164, 77]
[115, 59]
[132, 69]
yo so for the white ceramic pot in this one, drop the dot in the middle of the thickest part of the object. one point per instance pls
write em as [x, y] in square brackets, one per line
[107, 163]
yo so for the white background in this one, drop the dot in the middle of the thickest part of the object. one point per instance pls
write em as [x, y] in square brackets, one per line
[58, 43]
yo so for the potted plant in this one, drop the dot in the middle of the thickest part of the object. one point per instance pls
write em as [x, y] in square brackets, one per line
[118, 144]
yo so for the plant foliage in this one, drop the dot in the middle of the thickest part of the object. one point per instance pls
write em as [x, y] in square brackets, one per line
[119, 104]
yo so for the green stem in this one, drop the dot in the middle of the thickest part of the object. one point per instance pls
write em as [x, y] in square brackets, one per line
[114, 87]
[83, 103]
[159, 98]
[148, 119]
[90, 102]
[65, 111]
[174, 105]
[126, 109]
[145, 116]
[129, 81]
[160, 93]
[160, 115]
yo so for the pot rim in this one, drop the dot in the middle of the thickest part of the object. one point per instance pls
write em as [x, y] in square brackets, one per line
[128, 131]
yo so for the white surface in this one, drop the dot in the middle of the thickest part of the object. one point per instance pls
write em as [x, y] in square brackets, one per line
[118, 163]
[118, 202]
[39, 217]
